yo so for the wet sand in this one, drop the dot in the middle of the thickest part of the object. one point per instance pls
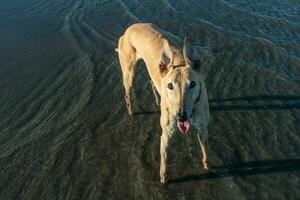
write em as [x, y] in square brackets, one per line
[64, 128]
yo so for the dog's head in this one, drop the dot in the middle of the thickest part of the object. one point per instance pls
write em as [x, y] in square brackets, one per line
[182, 84]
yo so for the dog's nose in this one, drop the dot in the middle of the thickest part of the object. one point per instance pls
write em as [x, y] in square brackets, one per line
[182, 117]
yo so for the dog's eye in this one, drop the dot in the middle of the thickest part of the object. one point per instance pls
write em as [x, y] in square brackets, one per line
[192, 84]
[170, 86]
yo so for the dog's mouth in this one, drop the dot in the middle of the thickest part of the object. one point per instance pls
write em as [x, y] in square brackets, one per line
[183, 126]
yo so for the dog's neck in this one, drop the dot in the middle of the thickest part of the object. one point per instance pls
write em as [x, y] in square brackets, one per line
[179, 65]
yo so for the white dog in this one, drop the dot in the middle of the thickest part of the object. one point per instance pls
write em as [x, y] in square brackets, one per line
[178, 78]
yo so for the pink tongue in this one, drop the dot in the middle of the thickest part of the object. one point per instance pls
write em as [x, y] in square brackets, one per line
[183, 126]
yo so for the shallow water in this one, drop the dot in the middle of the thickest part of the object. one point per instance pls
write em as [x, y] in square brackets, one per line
[64, 129]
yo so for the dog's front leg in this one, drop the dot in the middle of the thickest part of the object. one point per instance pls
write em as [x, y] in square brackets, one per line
[203, 141]
[164, 140]
[164, 144]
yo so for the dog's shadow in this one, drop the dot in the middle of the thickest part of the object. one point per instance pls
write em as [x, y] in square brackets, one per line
[244, 169]
[263, 102]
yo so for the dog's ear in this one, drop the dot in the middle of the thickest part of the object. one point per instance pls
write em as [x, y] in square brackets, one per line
[191, 56]
[166, 59]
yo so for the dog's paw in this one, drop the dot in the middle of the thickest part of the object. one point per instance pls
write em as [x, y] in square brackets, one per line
[130, 113]
[163, 179]
[205, 165]
[206, 170]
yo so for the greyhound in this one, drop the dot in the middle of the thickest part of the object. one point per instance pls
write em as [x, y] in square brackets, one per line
[178, 78]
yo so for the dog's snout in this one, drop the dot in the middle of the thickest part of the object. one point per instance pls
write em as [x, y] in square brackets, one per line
[182, 117]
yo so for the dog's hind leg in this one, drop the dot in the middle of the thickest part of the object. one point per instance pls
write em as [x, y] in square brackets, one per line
[127, 57]
[203, 141]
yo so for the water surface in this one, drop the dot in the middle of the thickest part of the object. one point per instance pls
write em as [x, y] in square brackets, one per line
[64, 129]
